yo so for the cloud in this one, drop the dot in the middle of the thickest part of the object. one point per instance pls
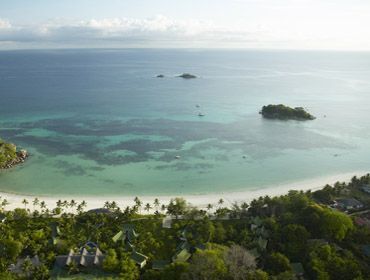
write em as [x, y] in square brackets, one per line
[161, 31]
[155, 31]
[4, 24]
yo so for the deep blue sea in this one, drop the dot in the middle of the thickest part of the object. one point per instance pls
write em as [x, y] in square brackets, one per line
[99, 122]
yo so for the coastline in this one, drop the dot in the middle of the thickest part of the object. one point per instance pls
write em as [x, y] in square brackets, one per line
[201, 201]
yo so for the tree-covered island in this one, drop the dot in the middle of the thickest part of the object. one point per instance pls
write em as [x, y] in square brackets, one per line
[283, 112]
[9, 156]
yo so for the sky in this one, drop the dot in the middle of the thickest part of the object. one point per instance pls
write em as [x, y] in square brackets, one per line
[257, 24]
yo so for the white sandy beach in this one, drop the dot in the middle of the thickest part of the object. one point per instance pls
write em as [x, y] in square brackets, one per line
[201, 201]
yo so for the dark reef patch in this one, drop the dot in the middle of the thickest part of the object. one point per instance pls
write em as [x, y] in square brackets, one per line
[70, 169]
[90, 139]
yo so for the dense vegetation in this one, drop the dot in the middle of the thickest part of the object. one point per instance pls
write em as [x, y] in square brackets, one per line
[8, 153]
[283, 112]
[272, 238]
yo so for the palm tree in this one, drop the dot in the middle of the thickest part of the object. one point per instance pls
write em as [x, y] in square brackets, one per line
[59, 203]
[209, 207]
[4, 203]
[138, 203]
[42, 205]
[244, 206]
[25, 202]
[65, 204]
[35, 202]
[107, 204]
[83, 205]
[79, 209]
[163, 208]
[148, 207]
[156, 204]
[113, 205]
[72, 203]
[220, 202]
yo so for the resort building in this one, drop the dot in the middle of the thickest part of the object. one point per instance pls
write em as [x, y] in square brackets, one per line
[348, 204]
[140, 259]
[83, 258]
[366, 189]
[127, 236]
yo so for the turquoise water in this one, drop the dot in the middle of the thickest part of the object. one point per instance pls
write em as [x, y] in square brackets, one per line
[98, 122]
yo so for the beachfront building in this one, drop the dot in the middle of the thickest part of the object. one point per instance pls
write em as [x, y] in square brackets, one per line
[366, 189]
[348, 204]
[140, 259]
[183, 252]
[128, 236]
[84, 258]
[160, 264]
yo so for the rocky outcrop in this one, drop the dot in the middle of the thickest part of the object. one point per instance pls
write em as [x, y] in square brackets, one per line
[187, 76]
[22, 155]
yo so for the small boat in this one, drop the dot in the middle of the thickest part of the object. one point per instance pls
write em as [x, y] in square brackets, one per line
[201, 115]
[177, 157]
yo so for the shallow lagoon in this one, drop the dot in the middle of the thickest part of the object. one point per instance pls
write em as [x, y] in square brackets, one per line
[98, 122]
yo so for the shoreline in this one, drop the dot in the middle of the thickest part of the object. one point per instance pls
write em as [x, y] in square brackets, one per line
[200, 201]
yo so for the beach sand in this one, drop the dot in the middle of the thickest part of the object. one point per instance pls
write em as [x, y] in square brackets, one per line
[200, 201]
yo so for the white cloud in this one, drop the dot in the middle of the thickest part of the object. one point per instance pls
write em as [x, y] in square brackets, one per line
[161, 31]
[4, 24]
[154, 30]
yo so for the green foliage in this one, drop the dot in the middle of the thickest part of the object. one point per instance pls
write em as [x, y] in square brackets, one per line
[200, 232]
[10, 249]
[207, 264]
[175, 271]
[294, 239]
[277, 263]
[327, 264]
[336, 224]
[111, 262]
[325, 195]
[6, 276]
[284, 112]
[177, 206]
[8, 152]
[127, 268]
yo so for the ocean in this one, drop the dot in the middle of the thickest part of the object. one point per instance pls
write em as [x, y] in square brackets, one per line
[99, 122]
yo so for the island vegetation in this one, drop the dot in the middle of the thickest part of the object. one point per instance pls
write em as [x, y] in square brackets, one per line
[9, 156]
[283, 112]
[301, 235]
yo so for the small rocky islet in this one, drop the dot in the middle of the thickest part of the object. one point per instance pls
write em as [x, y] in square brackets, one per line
[187, 76]
[184, 76]
[282, 112]
[9, 156]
